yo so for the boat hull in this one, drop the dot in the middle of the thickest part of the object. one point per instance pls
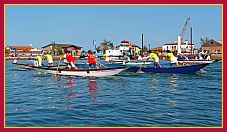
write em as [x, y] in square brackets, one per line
[83, 72]
[188, 69]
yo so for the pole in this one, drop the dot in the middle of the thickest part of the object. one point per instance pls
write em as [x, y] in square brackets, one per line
[149, 47]
[179, 45]
[191, 39]
[142, 46]
[94, 44]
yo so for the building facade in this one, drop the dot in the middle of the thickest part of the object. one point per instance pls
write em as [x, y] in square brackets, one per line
[59, 49]
[128, 46]
[21, 50]
[186, 47]
[212, 47]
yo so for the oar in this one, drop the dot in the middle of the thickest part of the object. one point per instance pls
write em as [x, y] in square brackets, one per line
[101, 64]
[140, 67]
[57, 67]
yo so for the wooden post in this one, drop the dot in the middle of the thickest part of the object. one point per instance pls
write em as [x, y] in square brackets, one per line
[142, 46]
[191, 39]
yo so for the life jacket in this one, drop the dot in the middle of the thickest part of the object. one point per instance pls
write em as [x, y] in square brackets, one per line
[91, 58]
[69, 58]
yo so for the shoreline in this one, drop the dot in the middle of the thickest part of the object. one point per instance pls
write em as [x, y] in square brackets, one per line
[27, 58]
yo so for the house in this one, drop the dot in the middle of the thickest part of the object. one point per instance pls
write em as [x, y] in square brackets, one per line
[186, 47]
[212, 47]
[128, 46]
[59, 49]
[156, 49]
[19, 50]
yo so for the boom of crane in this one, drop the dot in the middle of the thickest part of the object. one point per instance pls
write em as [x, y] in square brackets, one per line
[184, 29]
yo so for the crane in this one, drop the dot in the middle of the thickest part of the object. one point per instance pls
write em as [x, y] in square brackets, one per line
[184, 29]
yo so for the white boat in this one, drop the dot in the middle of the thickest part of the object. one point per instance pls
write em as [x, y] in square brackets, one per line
[102, 72]
[139, 63]
[132, 62]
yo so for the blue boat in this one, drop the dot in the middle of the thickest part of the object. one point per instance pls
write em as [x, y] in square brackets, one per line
[186, 69]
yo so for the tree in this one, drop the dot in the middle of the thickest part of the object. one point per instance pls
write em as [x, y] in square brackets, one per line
[105, 45]
[145, 49]
[57, 50]
[109, 44]
[204, 40]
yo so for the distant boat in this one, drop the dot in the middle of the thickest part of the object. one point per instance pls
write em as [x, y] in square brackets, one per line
[190, 60]
[186, 69]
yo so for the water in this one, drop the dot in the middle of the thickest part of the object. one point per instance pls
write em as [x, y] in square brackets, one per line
[143, 100]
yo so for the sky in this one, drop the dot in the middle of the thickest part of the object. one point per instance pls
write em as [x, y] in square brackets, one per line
[40, 25]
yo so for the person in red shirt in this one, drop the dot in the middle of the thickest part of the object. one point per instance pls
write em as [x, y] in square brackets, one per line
[91, 59]
[70, 60]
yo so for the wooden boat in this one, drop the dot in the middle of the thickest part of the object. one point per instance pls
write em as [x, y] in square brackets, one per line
[186, 69]
[101, 72]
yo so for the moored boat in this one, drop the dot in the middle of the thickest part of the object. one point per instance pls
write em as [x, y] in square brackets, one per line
[186, 69]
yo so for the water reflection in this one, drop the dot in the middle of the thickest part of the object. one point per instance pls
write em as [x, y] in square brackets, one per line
[92, 89]
[153, 82]
[70, 82]
[70, 93]
[173, 80]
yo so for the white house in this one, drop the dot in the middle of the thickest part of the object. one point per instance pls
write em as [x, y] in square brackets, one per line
[114, 52]
[186, 46]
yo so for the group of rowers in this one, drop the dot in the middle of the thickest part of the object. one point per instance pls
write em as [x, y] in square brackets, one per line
[170, 56]
[68, 58]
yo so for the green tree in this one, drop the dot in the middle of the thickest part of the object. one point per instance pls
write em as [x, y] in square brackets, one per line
[145, 49]
[105, 45]
[57, 50]
[204, 40]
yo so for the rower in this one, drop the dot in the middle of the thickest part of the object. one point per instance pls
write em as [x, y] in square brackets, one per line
[35, 62]
[172, 58]
[70, 59]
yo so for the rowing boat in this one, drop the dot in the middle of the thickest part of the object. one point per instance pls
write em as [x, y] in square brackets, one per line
[186, 69]
[101, 72]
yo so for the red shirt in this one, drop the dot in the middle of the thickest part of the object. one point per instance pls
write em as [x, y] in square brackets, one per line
[69, 58]
[91, 58]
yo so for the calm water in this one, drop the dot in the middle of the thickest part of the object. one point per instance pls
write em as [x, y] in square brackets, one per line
[36, 99]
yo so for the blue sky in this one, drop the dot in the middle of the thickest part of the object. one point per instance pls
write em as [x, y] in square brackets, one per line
[80, 25]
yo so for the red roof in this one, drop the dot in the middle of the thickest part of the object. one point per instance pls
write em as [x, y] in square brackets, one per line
[21, 48]
[156, 49]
